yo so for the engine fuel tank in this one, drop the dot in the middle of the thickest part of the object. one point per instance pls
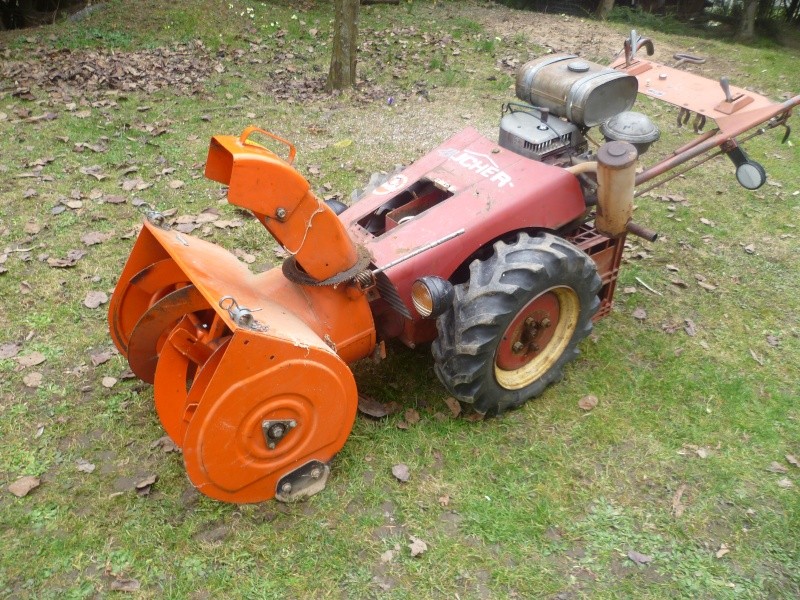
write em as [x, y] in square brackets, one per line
[583, 92]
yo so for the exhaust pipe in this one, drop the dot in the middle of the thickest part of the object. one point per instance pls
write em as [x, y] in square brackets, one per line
[616, 178]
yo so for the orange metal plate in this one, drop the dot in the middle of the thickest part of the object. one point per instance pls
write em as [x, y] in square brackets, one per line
[263, 378]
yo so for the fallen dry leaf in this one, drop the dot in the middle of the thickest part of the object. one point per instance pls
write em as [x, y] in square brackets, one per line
[95, 237]
[792, 460]
[32, 227]
[109, 382]
[588, 402]
[245, 257]
[31, 360]
[677, 505]
[412, 416]
[94, 299]
[690, 328]
[723, 550]
[9, 350]
[401, 472]
[372, 408]
[776, 467]
[444, 500]
[176, 184]
[22, 486]
[756, 357]
[454, 406]
[32, 380]
[640, 314]
[639, 558]
[145, 485]
[95, 171]
[165, 443]
[84, 466]
[387, 556]
[72, 258]
[99, 358]
[125, 585]
[417, 546]
[785, 483]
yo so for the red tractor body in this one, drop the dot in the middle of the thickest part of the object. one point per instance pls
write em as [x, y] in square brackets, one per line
[501, 254]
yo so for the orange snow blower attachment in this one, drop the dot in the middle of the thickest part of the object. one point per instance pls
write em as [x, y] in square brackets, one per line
[250, 371]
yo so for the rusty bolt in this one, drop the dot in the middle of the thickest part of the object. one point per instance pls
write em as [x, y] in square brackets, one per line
[517, 347]
[545, 323]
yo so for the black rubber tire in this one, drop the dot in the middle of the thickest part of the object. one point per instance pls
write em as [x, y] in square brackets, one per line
[499, 287]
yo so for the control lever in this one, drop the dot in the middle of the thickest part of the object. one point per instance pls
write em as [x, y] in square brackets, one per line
[726, 87]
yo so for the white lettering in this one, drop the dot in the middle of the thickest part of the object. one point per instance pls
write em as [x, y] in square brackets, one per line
[480, 164]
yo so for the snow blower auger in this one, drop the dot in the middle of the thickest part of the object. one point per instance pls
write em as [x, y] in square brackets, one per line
[261, 398]
[501, 254]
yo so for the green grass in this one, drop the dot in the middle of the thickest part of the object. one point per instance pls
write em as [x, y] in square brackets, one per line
[546, 500]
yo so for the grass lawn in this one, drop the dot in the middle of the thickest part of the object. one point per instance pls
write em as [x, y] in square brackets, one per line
[683, 481]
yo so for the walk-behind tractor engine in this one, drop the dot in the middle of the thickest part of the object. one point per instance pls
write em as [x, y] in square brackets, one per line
[501, 255]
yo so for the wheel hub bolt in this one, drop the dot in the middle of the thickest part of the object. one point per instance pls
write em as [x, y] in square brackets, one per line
[517, 347]
[286, 488]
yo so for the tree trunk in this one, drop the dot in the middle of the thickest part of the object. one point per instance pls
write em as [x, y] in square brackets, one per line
[604, 9]
[345, 45]
[748, 26]
[792, 12]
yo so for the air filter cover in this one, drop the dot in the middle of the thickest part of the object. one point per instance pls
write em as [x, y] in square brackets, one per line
[632, 127]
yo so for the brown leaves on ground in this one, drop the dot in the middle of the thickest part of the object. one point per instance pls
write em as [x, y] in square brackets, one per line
[417, 546]
[454, 406]
[33, 380]
[70, 260]
[411, 418]
[67, 74]
[588, 402]
[30, 360]
[371, 407]
[639, 558]
[125, 585]
[23, 486]
[677, 505]
[94, 299]
[9, 350]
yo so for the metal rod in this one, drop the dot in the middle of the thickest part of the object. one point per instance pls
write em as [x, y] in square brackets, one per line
[716, 140]
[419, 250]
[703, 160]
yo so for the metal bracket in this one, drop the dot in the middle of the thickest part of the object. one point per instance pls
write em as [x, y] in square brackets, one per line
[156, 218]
[276, 430]
[303, 482]
[241, 315]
